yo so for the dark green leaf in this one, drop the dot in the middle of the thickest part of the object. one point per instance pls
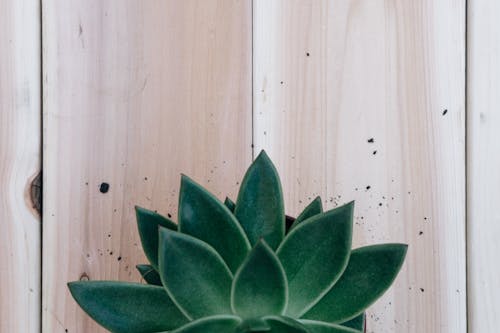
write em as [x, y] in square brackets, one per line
[229, 204]
[322, 327]
[203, 216]
[148, 223]
[370, 272]
[194, 275]
[314, 255]
[259, 287]
[123, 307]
[253, 325]
[259, 207]
[149, 274]
[314, 208]
[280, 324]
[358, 323]
[214, 324]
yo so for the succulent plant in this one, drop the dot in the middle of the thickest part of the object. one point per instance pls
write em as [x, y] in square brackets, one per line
[235, 267]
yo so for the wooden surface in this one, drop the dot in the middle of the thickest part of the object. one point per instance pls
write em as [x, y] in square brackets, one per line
[483, 164]
[331, 75]
[19, 164]
[134, 93]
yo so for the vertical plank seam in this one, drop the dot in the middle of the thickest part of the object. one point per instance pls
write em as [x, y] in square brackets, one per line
[252, 90]
[40, 6]
[466, 152]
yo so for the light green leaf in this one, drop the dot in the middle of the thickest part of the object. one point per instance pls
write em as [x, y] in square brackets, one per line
[314, 208]
[259, 207]
[203, 216]
[357, 323]
[280, 324]
[123, 307]
[194, 275]
[322, 327]
[214, 324]
[148, 223]
[259, 287]
[314, 255]
[229, 204]
[370, 272]
[149, 274]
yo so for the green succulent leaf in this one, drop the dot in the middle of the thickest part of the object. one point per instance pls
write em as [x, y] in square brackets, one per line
[314, 208]
[149, 274]
[213, 324]
[123, 307]
[322, 327]
[314, 255]
[148, 223]
[259, 287]
[194, 275]
[358, 323]
[253, 325]
[280, 324]
[259, 207]
[370, 272]
[230, 204]
[203, 216]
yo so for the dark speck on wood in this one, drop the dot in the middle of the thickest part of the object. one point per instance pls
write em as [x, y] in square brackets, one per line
[445, 111]
[371, 140]
[104, 187]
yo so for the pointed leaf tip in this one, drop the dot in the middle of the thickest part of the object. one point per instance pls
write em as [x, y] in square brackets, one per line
[194, 275]
[314, 208]
[148, 222]
[259, 287]
[370, 272]
[127, 307]
[259, 207]
[314, 255]
[203, 216]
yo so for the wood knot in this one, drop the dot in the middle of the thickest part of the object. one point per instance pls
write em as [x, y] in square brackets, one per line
[36, 193]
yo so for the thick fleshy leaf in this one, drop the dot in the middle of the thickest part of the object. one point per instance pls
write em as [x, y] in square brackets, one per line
[123, 307]
[280, 324]
[259, 207]
[314, 208]
[259, 287]
[358, 323]
[322, 327]
[253, 325]
[194, 275]
[214, 324]
[229, 204]
[314, 255]
[148, 223]
[149, 274]
[203, 216]
[370, 272]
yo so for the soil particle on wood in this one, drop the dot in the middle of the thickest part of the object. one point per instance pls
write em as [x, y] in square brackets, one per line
[104, 187]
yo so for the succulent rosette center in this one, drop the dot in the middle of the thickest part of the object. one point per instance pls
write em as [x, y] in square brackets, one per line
[236, 267]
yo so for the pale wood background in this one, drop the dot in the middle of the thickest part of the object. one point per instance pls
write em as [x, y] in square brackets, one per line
[483, 157]
[135, 92]
[19, 164]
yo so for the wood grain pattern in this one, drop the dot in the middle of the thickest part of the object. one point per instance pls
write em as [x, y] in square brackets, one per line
[483, 164]
[134, 93]
[365, 100]
[20, 117]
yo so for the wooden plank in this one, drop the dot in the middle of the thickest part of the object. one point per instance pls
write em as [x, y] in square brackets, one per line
[135, 92]
[330, 76]
[20, 116]
[483, 164]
